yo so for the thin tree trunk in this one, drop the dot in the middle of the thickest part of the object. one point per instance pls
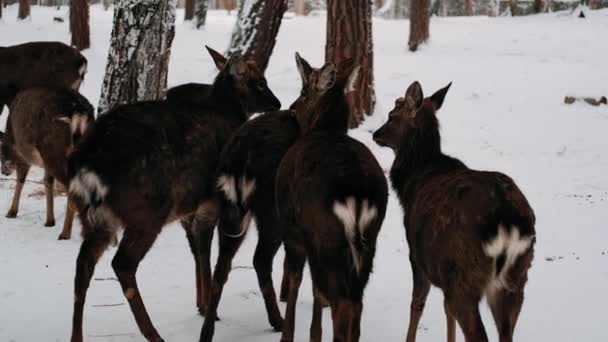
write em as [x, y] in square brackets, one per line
[106, 4]
[24, 9]
[349, 35]
[201, 12]
[538, 6]
[595, 4]
[1, 6]
[79, 24]
[420, 18]
[300, 7]
[139, 52]
[513, 7]
[230, 5]
[256, 29]
[189, 9]
[468, 4]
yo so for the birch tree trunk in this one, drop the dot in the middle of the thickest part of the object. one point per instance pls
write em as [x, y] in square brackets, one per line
[139, 52]
[420, 17]
[79, 24]
[189, 10]
[24, 9]
[201, 12]
[349, 35]
[256, 29]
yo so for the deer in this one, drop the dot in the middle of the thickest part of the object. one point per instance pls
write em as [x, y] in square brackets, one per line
[146, 164]
[470, 233]
[331, 196]
[39, 64]
[43, 127]
[189, 92]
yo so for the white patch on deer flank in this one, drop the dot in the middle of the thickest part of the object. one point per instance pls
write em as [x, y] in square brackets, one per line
[226, 184]
[247, 188]
[85, 183]
[368, 214]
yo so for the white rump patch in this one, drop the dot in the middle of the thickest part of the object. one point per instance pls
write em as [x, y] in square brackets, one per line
[346, 212]
[226, 184]
[512, 245]
[78, 123]
[85, 183]
[247, 188]
[368, 214]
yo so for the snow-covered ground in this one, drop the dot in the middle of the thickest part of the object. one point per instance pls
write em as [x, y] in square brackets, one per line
[505, 112]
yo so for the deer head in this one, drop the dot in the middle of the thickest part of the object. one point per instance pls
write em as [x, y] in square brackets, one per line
[247, 80]
[411, 115]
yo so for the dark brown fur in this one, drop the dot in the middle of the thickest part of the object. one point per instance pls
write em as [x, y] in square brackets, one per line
[321, 170]
[452, 213]
[146, 164]
[39, 63]
[39, 133]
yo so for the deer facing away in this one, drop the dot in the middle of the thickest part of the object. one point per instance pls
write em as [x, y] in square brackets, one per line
[470, 233]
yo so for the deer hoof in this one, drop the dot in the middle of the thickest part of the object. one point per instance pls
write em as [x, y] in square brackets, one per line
[202, 310]
[63, 236]
[49, 223]
[277, 324]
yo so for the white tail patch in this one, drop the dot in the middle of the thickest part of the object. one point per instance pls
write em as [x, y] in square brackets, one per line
[78, 122]
[368, 214]
[85, 184]
[512, 245]
[226, 184]
[247, 188]
[347, 213]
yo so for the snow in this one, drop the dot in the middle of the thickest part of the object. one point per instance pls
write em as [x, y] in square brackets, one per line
[504, 112]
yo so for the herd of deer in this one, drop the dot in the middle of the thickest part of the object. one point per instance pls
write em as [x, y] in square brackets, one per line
[196, 157]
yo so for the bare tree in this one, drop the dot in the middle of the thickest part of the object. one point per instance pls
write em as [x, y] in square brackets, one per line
[256, 29]
[538, 6]
[139, 52]
[513, 7]
[230, 5]
[24, 9]
[349, 35]
[300, 7]
[1, 6]
[420, 18]
[106, 4]
[79, 24]
[468, 7]
[201, 12]
[189, 9]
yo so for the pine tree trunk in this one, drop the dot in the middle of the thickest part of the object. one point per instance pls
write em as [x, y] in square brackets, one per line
[538, 6]
[189, 9]
[201, 12]
[1, 6]
[79, 24]
[106, 4]
[513, 7]
[24, 9]
[256, 29]
[349, 35]
[420, 17]
[230, 5]
[299, 7]
[593, 4]
[139, 52]
[468, 7]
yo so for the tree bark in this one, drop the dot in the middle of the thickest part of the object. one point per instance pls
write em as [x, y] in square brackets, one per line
[468, 7]
[139, 52]
[420, 18]
[24, 9]
[513, 7]
[106, 4]
[230, 5]
[79, 24]
[1, 6]
[538, 6]
[189, 9]
[256, 29]
[349, 35]
[300, 7]
[201, 12]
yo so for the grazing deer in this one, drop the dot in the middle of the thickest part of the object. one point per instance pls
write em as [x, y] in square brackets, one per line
[331, 195]
[39, 64]
[144, 165]
[246, 181]
[43, 127]
[470, 233]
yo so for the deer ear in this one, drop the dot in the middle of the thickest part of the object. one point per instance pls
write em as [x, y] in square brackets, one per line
[439, 96]
[352, 79]
[413, 96]
[303, 68]
[218, 58]
[327, 77]
[237, 65]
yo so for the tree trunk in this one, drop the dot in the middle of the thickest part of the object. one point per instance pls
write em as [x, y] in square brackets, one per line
[256, 29]
[1, 5]
[593, 4]
[201, 12]
[300, 7]
[349, 35]
[420, 17]
[139, 52]
[538, 6]
[189, 9]
[230, 5]
[24, 9]
[106, 4]
[79, 24]
[468, 7]
[513, 7]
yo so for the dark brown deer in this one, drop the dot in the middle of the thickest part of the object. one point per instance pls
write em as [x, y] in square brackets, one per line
[246, 180]
[331, 195]
[189, 92]
[43, 127]
[39, 64]
[470, 233]
[146, 164]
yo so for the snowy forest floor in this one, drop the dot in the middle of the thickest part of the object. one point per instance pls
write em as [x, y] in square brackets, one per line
[505, 112]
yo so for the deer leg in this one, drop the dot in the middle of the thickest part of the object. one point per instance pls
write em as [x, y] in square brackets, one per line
[131, 250]
[420, 291]
[505, 307]
[193, 243]
[316, 326]
[230, 238]
[262, 262]
[94, 244]
[70, 210]
[451, 323]
[342, 316]
[356, 324]
[49, 183]
[203, 226]
[284, 283]
[22, 170]
[295, 259]
[466, 311]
